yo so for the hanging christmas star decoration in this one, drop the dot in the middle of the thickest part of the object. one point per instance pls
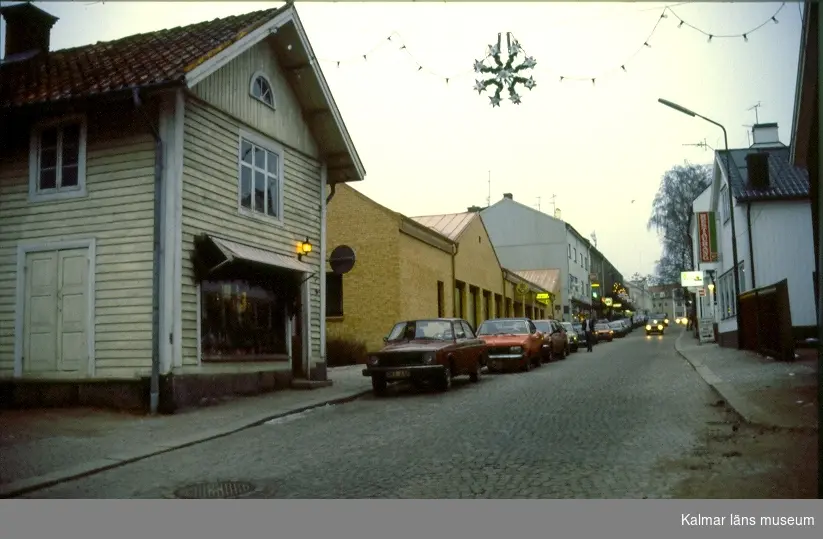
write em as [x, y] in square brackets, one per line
[504, 75]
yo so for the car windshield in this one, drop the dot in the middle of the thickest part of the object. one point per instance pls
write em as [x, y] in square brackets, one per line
[542, 326]
[659, 316]
[578, 327]
[504, 327]
[615, 324]
[422, 329]
[601, 326]
[567, 326]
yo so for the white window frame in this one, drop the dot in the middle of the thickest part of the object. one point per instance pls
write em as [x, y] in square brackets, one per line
[272, 146]
[261, 75]
[724, 204]
[58, 193]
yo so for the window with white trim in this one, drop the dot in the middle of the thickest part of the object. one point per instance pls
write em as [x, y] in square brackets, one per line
[261, 185]
[724, 204]
[57, 165]
[261, 89]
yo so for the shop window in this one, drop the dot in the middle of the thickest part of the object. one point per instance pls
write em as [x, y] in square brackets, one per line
[240, 321]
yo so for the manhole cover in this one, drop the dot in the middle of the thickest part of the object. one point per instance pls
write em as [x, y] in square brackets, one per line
[215, 491]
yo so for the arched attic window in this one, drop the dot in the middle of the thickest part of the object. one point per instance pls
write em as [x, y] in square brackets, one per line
[261, 89]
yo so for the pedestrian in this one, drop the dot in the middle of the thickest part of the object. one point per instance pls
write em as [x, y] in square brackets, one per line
[588, 327]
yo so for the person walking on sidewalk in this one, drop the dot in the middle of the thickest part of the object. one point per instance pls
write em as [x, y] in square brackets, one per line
[588, 327]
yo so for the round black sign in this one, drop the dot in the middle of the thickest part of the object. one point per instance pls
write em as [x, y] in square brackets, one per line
[342, 259]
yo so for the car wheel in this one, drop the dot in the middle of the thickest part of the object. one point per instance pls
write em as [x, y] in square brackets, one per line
[474, 376]
[528, 364]
[378, 385]
[446, 379]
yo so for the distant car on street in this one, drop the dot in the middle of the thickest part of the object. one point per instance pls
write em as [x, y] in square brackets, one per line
[604, 332]
[427, 351]
[513, 343]
[619, 328]
[573, 336]
[656, 324]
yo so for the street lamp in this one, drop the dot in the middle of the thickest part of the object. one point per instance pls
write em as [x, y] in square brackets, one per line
[693, 114]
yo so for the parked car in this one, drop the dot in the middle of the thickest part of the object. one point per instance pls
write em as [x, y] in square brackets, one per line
[427, 351]
[627, 324]
[656, 324]
[573, 336]
[619, 328]
[557, 345]
[603, 332]
[581, 333]
[513, 343]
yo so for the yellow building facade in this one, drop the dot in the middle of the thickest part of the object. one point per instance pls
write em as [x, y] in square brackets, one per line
[408, 268]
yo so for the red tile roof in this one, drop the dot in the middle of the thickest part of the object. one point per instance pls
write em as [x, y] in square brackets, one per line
[140, 60]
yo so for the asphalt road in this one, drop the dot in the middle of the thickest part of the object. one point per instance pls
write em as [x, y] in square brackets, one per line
[595, 425]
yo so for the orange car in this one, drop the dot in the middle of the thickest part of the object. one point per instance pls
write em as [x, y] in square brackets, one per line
[513, 344]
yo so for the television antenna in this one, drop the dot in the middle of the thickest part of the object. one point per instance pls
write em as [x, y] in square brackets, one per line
[594, 238]
[538, 203]
[756, 115]
[489, 198]
[702, 144]
[554, 205]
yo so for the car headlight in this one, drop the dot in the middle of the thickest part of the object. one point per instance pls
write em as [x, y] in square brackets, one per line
[654, 321]
[666, 321]
[373, 361]
[648, 327]
[660, 326]
[428, 358]
[516, 349]
[611, 331]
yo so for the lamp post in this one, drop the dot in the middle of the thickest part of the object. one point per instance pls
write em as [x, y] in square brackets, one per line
[693, 114]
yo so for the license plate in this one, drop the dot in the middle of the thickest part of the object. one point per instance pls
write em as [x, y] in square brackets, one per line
[397, 374]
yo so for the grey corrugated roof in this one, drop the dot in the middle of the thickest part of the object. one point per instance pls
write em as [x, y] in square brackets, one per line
[450, 225]
[548, 279]
[785, 179]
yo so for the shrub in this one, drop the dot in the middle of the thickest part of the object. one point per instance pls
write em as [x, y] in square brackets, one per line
[341, 351]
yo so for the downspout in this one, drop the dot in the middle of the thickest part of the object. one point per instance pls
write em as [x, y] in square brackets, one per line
[751, 244]
[332, 190]
[154, 388]
[324, 200]
[455, 248]
[503, 303]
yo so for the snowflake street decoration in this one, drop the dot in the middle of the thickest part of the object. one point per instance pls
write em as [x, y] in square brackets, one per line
[504, 75]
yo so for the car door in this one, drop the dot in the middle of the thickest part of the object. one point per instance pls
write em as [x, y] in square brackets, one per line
[459, 351]
[471, 346]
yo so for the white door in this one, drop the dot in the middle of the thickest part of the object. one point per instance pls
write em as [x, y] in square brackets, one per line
[56, 312]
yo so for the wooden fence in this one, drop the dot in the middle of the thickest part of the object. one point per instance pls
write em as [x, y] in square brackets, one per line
[765, 321]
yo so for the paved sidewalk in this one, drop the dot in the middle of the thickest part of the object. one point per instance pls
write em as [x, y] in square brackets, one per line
[762, 390]
[39, 448]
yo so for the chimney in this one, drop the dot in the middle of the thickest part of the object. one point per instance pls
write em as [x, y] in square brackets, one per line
[765, 135]
[508, 195]
[757, 166]
[474, 209]
[28, 30]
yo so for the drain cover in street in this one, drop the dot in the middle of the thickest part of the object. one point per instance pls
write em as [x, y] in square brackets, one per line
[214, 491]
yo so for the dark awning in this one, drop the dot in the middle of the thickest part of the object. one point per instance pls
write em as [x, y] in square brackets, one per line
[212, 253]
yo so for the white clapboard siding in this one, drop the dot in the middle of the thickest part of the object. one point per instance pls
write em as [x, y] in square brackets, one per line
[210, 194]
[118, 212]
[228, 89]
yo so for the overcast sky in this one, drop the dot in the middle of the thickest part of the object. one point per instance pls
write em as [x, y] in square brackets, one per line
[429, 146]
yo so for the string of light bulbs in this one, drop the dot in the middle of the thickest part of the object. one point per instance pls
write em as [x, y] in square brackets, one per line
[396, 42]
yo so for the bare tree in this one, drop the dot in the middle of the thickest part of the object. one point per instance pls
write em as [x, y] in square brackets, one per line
[671, 214]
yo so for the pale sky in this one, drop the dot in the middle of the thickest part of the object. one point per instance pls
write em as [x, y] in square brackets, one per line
[428, 146]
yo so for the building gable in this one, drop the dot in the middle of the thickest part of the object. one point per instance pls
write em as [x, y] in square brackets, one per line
[235, 88]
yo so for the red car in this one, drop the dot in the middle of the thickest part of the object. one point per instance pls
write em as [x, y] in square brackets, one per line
[427, 351]
[513, 343]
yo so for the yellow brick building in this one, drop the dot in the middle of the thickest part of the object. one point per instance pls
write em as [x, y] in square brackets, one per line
[409, 268]
[403, 270]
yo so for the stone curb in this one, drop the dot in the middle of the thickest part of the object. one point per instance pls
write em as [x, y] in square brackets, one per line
[31, 484]
[744, 407]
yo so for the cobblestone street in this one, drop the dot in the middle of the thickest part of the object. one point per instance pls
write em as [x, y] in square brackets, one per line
[630, 420]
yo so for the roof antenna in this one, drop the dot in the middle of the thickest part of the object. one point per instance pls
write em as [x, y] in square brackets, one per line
[756, 115]
[538, 203]
[748, 134]
[489, 198]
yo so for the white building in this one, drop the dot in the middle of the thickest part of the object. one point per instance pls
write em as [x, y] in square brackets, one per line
[640, 297]
[772, 216]
[527, 239]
